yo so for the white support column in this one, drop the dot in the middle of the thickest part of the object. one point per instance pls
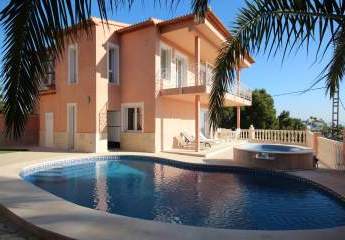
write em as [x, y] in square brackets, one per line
[197, 123]
[197, 59]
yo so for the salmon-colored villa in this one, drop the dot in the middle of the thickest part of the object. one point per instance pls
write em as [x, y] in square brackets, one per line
[136, 87]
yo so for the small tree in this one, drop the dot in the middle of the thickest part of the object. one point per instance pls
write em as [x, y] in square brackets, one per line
[261, 114]
[286, 122]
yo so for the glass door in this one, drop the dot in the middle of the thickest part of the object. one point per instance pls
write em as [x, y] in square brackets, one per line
[181, 71]
[204, 125]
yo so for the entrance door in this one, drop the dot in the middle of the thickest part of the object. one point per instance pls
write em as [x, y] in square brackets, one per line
[71, 125]
[114, 129]
[49, 129]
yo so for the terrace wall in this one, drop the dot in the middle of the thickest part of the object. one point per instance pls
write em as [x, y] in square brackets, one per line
[30, 135]
[330, 153]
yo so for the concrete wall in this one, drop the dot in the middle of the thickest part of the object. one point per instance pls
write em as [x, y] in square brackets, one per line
[330, 153]
[138, 142]
[30, 135]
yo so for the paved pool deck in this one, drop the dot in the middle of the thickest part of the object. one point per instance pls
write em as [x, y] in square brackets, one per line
[54, 218]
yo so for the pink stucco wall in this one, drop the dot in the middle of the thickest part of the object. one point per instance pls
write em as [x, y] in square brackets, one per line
[173, 117]
[107, 95]
[137, 70]
[29, 136]
[79, 93]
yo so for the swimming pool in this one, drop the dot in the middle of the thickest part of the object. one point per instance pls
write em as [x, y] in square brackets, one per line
[231, 198]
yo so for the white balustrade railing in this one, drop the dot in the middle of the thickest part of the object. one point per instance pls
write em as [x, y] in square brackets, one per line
[244, 134]
[268, 136]
[226, 134]
[280, 136]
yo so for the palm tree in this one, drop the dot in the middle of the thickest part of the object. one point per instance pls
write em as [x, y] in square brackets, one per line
[273, 25]
[31, 27]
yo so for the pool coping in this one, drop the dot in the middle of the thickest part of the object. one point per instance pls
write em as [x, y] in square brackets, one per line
[32, 207]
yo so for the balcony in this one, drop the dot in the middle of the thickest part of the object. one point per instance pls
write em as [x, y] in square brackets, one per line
[182, 84]
[47, 86]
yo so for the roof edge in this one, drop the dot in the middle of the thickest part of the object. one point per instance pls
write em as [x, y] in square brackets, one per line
[97, 20]
[134, 27]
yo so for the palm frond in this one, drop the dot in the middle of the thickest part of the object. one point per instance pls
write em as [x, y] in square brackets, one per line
[32, 31]
[31, 28]
[336, 67]
[270, 26]
[200, 8]
[227, 62]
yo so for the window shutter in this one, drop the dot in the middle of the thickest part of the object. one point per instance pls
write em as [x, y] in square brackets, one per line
[168, 67]
[116, 65]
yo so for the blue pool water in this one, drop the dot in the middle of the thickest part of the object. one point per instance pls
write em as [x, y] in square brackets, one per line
[233, 199]
[273, 148]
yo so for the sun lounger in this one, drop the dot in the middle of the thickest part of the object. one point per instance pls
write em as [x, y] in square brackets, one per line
[190, 139]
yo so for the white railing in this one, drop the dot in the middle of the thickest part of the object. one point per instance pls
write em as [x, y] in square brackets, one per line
[280, 136]
[240, 90]
[226, 134]
[270, 136]
[330, 153]
[244, 134]
[170, 79]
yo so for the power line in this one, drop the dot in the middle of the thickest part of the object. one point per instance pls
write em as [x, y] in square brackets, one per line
[301, 91]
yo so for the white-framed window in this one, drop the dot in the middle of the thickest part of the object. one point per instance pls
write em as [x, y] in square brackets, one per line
[73, 64]
[113, 61]
[132, 117]
[166, 56]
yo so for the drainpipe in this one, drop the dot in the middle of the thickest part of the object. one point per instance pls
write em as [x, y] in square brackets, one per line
[238, 120]
[197, 123]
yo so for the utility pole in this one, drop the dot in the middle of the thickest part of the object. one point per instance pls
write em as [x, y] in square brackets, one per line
[335, 114]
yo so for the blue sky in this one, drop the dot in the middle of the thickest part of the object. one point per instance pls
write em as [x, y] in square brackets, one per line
[297, 72]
